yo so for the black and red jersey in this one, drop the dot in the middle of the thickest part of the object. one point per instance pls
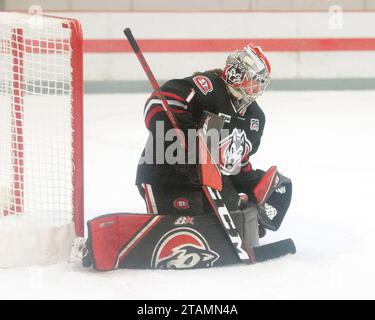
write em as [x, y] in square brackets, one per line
[187, 99]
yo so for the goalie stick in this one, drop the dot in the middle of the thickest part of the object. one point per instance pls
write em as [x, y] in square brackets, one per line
[154, 83]
[245, 254]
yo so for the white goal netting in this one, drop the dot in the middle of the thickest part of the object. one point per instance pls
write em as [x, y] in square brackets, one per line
[38, 151]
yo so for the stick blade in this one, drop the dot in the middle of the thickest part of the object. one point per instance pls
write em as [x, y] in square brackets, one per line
[274, 250]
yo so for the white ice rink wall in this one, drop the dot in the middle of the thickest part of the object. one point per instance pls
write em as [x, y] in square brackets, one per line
[316, 48]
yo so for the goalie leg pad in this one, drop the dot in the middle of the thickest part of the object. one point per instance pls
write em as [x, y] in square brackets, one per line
[142, 241]
[157, 242]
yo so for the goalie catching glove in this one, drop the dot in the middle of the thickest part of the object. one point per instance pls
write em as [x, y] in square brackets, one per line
[273, 194]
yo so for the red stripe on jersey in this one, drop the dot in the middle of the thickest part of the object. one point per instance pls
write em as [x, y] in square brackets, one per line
[151, 113]
[156, 110]
[170, 95]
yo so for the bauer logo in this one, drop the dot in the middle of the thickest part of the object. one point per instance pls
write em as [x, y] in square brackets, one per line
[184, 220]
[203, 83]
[183, 248]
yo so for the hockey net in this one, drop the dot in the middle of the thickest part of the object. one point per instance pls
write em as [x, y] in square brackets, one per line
[41, 133]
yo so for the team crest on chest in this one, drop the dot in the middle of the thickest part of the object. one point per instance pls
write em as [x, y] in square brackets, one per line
[234, 149]
[203, 83]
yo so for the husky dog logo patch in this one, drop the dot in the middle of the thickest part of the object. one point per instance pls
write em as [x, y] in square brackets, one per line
[183, 248]
[234, 150]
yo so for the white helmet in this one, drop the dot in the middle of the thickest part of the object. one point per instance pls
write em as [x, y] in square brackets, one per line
[247, 74]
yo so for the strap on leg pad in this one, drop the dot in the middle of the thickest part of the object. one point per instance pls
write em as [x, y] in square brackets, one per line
[246, 221]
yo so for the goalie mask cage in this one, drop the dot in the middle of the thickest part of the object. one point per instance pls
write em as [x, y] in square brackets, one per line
[41, 138]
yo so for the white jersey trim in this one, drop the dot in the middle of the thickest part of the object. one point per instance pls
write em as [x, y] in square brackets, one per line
[158, 101]
[190, 96]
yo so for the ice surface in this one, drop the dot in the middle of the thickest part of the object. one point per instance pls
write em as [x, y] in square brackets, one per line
[323, 141]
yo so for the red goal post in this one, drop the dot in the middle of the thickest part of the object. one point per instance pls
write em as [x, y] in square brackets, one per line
[41, 135]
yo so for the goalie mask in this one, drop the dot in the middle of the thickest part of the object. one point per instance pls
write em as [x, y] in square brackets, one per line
[247, 74]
